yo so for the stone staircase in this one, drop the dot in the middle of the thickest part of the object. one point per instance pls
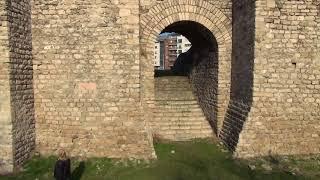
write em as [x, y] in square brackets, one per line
[178, 115]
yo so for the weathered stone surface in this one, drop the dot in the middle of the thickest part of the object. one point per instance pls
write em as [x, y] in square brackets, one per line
[87, 88]
[6, 160]
[17, 140]
[85, 81]
[284, 117]
[241, 71]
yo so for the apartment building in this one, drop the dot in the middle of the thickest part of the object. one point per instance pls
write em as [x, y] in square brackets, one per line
[167, 48]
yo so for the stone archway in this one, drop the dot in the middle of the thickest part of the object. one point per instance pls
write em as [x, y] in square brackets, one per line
[169, 12]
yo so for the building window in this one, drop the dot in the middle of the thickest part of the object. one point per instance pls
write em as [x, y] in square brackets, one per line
[179, 40]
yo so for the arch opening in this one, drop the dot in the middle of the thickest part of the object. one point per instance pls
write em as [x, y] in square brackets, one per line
[203, 46]
[186, 95]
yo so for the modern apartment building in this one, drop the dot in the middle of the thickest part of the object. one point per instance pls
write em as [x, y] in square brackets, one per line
[183, 45]
[167, 48]
[159, 49]
[157, 55]
[170, 51]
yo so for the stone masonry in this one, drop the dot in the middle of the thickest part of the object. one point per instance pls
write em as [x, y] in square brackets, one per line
[6, 154]
[79, 75]
[177, 115]
[17, 94]
[86, 70]
[285, 111]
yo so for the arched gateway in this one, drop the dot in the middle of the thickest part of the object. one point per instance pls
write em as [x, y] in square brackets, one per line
[79, 75]
[184, 17]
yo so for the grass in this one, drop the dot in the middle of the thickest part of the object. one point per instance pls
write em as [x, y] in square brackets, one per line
[195, 160]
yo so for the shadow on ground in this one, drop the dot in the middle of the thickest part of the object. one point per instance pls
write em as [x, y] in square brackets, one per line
[78, 171]
[196, 160]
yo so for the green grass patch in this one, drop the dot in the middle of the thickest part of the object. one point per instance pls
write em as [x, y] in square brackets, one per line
[194, 160]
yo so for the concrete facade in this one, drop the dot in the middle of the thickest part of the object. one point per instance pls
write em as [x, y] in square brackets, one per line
[81, 75]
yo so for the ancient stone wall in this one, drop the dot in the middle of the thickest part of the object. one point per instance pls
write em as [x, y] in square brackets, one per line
[21, 80]
[284, 117]
[18, 65]
[91, 79]
[87, 88]
[224, 5]
[243, 28]
[204, 79]
[6, 156]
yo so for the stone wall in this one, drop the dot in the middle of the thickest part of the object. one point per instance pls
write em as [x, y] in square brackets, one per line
[93, 75]
[201, 63]
[224, 5]
[6, 156]
[18, 65]
[87, 88]
[21, 80]
[204, 79]
[243, 37]
[285, 116]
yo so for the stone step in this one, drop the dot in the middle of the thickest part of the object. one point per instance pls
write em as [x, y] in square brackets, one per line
[190, 125]
[188, 108]
[173, 97]
[177, 102]
[177, 115]
[190, 115]
[178, 106]
[180, 119]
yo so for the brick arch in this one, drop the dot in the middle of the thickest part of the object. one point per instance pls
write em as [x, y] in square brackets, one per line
[170, 11]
